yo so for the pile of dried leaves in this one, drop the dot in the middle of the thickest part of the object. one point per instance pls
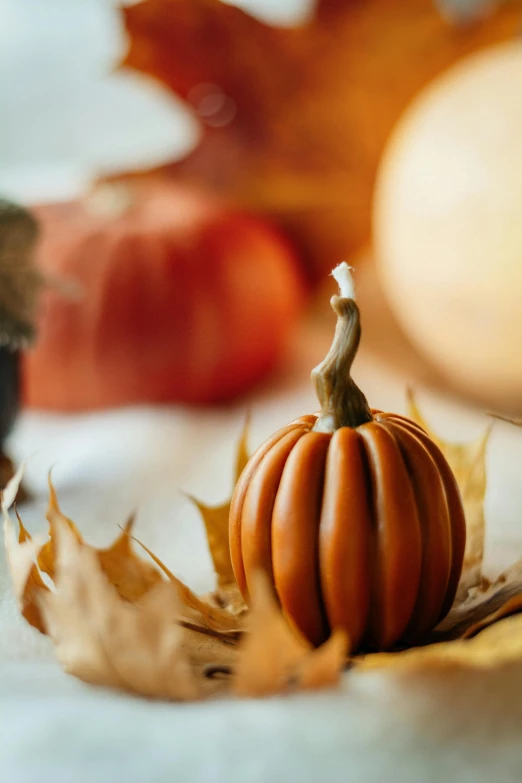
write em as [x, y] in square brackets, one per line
[121, 619]
[294, 120]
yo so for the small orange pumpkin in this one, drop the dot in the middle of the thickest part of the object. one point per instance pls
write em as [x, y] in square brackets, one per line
[354, 513]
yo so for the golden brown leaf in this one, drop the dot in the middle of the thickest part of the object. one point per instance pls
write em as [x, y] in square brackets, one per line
[273, 658]
[215, 519]
[113, 620]
[129, 574]
[498, 644]
[298, 134]
[468, 463]
[105, 640]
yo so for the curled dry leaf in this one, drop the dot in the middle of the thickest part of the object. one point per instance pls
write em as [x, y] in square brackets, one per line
[95, 632]
[112, 618]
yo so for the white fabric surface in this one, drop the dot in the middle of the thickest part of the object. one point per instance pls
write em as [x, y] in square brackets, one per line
[376, 728]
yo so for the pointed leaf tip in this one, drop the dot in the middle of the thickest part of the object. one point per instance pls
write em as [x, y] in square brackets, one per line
[10, 491]
[23, 534]
[215, 519]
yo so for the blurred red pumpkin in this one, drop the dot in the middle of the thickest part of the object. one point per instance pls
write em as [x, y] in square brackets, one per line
[179, 299]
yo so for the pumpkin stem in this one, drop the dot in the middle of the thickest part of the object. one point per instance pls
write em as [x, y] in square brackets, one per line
[342, 402]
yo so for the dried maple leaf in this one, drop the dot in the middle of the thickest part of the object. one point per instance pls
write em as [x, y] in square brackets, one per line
[113, 620]
[294, 120]
[129, 574]
[95, 632]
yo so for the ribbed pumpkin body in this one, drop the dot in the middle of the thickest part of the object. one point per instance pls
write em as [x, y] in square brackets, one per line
[362, 529]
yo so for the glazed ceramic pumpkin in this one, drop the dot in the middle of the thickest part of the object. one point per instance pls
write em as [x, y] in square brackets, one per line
[179, 298]
[448, 225]
[354, 513]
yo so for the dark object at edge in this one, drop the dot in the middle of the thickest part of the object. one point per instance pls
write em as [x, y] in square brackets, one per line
[9, 391]
[19, 287]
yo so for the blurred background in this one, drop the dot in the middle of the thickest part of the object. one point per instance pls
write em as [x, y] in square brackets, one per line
[196, 169]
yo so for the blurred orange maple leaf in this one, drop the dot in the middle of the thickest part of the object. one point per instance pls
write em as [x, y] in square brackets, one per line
[294, 120]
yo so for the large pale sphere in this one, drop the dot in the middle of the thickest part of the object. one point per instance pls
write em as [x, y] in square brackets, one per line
[448, 224]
